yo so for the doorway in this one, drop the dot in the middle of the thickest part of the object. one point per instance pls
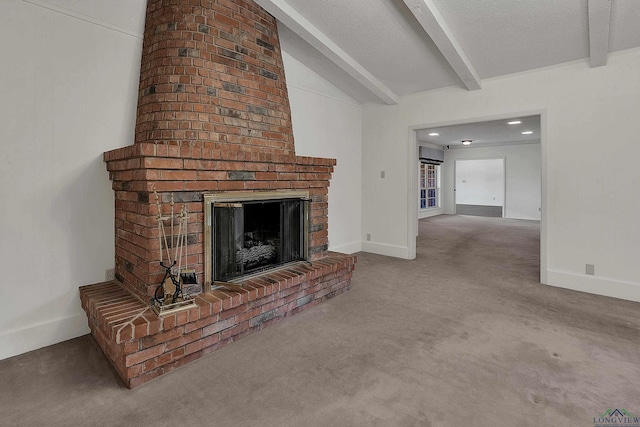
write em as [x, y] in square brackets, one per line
[524, 132]
[479, 187]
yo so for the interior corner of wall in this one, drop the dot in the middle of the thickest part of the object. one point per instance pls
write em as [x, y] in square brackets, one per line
[387, 250]
[347, 248]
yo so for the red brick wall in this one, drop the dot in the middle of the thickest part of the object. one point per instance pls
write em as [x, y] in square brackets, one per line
[212, 72]
[141, 346]
[136, 170]
[213, 116]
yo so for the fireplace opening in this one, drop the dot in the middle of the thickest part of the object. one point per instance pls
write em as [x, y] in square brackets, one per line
[249, 235]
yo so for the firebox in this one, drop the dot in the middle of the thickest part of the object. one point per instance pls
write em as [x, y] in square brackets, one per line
[247, 233]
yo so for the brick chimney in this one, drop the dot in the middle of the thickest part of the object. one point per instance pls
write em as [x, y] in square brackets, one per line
[213, 116]
[212, 77]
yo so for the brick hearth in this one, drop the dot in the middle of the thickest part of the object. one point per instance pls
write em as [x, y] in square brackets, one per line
[141, 346]
[213, 116]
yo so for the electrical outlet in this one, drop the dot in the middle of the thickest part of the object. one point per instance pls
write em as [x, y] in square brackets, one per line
[110, 274]
[368, 237]
[589, 269]
[382, 174]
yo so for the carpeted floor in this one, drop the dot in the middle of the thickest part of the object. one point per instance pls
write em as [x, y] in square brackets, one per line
[462, 336]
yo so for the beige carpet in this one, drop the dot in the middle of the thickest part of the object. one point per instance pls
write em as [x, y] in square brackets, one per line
[462, 336]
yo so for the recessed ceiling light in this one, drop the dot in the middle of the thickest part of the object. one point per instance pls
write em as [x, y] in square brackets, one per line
[527, 132]
[434, 134]
[467, 141]
[515, 122]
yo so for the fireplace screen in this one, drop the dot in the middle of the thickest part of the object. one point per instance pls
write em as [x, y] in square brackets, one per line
[251, 236]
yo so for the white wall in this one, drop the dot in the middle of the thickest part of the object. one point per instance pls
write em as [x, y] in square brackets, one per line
[69, 90]
[590, 196]
[69, 93]
[479, 182]
[522, 175]
[327, 123]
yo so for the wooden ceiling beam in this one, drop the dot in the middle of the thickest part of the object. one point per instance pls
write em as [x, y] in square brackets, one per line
[297, 23]
[599, 24]
[435, 26]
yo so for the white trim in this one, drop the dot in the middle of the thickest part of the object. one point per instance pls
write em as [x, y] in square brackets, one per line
[427, 14]
[599, 29]
[412, 182]
[429, 212]
[333, 98]
[430, 145]
[595, 285]
[300, 25]
[413, 190]
[82, 17]
[43, 334]
[493, 144]
[347, 248]
[504, 181]
[387, 250]
[437, 188]
[454, 88]
[544, 224]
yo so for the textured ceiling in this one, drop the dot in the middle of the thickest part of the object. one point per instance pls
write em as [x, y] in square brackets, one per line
[383, 37]
[306, 54]
[625, 30]
[503, 37]
[497, 37]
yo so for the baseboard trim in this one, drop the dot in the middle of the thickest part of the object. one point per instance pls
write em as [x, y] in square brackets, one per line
[348, 248]
[44, 334]
[387, 250]
[480, 210]
[429, 213]
[594, 285]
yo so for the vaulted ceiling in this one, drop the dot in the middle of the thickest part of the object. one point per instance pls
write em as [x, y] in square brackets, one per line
[378, 50]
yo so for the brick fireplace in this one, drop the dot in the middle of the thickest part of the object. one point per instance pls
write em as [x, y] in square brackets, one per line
[213, 118]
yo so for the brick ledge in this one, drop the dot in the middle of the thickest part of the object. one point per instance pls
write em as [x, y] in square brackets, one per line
[202, 150]
[142, 346]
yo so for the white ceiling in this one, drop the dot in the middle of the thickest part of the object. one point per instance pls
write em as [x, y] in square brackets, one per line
[494, 132]
[379, 50]
[409, 46]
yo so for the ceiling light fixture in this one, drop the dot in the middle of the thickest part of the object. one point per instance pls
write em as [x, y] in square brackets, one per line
[434, 134]
[467, 141]
[527, 132]
[515, 122]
